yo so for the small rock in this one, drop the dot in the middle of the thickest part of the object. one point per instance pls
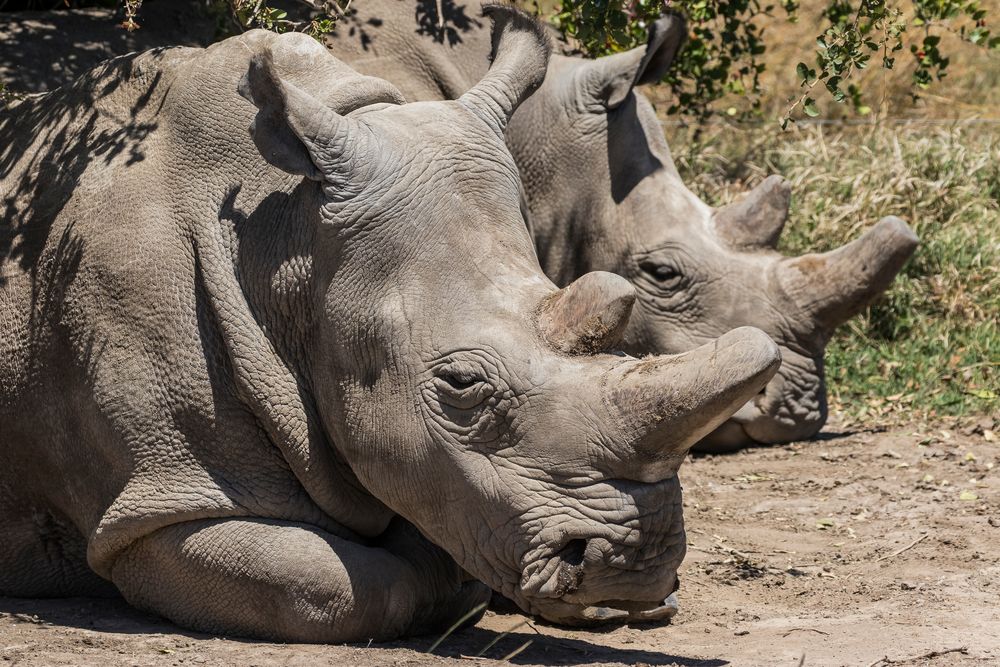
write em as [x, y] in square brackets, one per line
[741, 633]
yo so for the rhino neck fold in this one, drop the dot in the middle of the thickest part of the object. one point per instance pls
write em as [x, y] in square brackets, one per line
[269, 380]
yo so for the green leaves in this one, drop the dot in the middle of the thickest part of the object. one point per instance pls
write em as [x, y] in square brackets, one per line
[258, 14]
[724, 47]
[721, 55]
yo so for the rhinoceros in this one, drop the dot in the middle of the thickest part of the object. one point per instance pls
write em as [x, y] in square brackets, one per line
[604, 194]
[309, 382]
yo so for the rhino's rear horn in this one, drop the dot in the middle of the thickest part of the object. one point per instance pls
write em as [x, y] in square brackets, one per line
[835, 285]
[756, 220]
[519, 59]
[589, 315]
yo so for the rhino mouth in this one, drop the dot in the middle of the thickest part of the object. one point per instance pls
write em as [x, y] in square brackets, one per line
[609, 613]
[553, 585]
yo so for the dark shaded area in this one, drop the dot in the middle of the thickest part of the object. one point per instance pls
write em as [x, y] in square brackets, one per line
[547, 650]
[73, 135]
[448, 27]
[629, 158]
[42, 50]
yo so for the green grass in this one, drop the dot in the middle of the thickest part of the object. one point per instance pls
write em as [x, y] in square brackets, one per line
[931, 345]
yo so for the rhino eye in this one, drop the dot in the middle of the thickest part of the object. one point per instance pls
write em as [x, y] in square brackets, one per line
[462, 388]
[664, 274]
[460, 381]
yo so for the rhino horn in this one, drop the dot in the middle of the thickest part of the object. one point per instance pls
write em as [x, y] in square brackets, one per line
[666, 404]
[835, 285]
[756, 220]
[296, 132]
[519, 58]
[589, 315]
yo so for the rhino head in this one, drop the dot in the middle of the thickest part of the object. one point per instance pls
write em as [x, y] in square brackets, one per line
[465, 391]
[605, 195]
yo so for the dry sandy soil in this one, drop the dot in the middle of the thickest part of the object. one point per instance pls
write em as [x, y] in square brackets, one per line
[863, 548]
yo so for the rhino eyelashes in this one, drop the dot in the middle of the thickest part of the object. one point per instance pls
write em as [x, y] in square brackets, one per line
[664, 274]
[461, 392]
[460, 381]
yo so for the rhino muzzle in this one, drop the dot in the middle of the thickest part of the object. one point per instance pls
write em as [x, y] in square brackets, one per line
[621, 564]
[585, 583]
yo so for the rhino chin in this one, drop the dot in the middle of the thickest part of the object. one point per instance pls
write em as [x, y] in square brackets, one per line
[749, 427]
[616, 612]
[731, 435]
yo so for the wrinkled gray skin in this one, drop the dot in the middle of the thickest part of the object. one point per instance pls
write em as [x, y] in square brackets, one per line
[246, 379]
[604, 195]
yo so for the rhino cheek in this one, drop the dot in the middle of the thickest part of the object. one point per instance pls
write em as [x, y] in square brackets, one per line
[793, 406]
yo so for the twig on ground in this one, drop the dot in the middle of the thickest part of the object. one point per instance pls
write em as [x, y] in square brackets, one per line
[516, 651]
[785, 634]
[501, 636]
[932, 654]
[472, 612]
[906, 548]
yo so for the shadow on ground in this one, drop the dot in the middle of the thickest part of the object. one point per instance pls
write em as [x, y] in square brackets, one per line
[117, 617]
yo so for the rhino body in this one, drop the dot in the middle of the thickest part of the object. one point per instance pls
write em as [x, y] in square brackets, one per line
[603, 194]
[247, 377]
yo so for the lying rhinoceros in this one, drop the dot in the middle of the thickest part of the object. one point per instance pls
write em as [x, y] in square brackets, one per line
[604, 194]
[296, 383]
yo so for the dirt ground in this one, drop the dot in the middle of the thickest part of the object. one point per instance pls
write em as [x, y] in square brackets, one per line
[862, 548]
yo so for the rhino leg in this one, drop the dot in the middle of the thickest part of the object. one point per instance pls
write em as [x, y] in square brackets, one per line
[294, 582]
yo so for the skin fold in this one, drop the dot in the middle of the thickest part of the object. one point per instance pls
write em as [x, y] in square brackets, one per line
[264, 328]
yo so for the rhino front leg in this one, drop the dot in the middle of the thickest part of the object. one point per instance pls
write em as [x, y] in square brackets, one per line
[293, 582]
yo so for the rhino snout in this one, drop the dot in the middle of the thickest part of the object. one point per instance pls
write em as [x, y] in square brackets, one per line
[592, 574]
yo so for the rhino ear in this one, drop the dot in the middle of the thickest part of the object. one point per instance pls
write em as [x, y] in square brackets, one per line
[608, 80]
[519, 59]
[293, 130]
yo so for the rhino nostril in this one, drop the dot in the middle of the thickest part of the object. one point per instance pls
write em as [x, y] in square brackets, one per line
[572, 553]
[570, 574]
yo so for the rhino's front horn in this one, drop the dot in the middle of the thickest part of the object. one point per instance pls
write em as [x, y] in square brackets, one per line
[519, 60]
[835, 285]
[756, 220]
[666, 404]
[589, 315]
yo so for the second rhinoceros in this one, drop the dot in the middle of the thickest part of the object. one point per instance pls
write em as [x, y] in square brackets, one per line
[603, 194]
[309, 382]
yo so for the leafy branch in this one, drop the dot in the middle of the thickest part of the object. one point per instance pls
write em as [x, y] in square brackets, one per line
[259, 14]
[723, 53]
